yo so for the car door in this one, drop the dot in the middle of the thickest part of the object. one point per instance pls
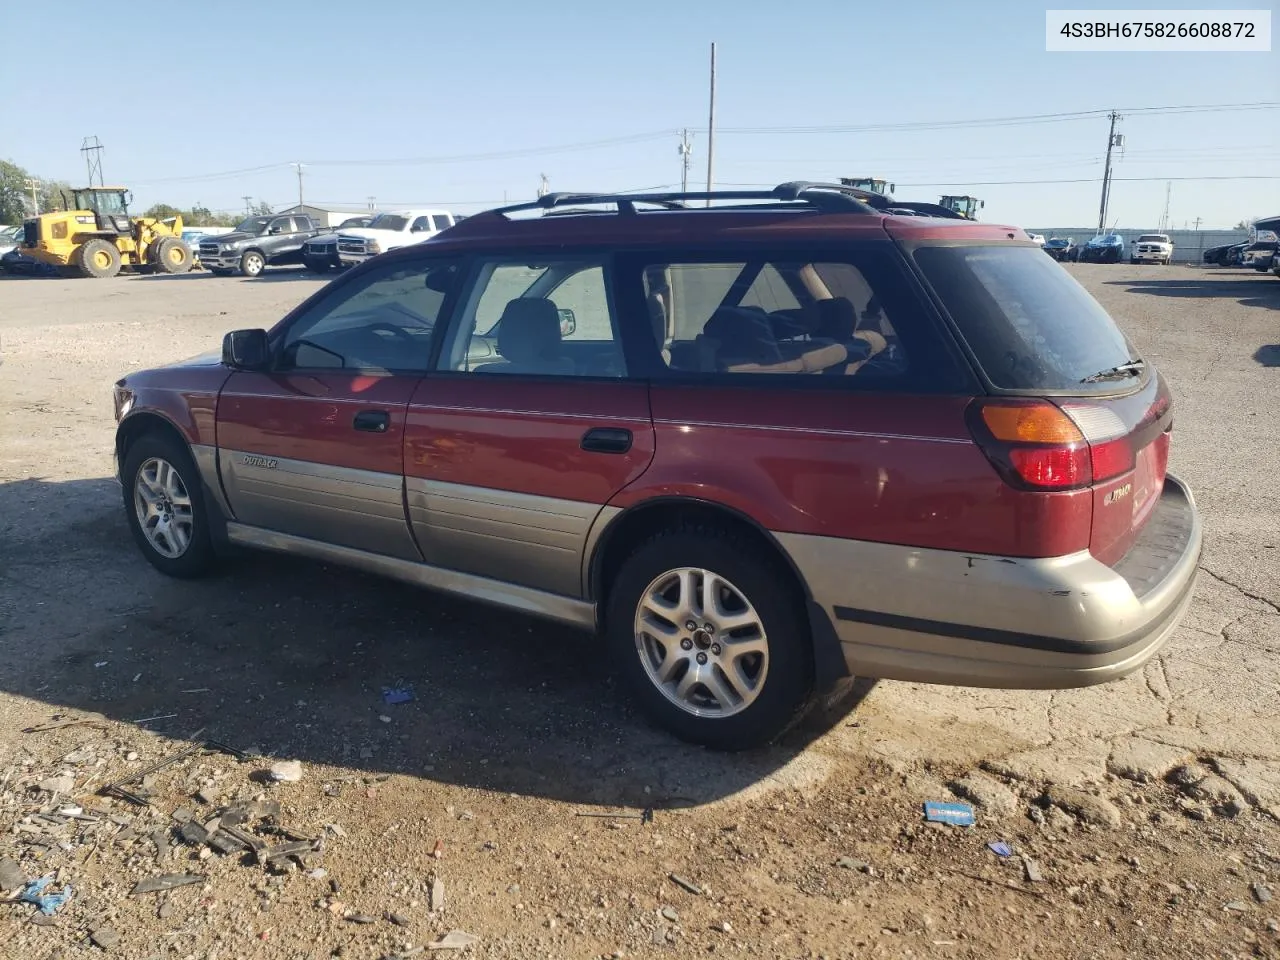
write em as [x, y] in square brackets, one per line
[314, 446]
[520, 436]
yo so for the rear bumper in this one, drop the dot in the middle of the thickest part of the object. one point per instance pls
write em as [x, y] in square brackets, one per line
[934, 616]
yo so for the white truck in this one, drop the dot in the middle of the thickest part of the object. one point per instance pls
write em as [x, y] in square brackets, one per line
[1152, 248]
[388, 231]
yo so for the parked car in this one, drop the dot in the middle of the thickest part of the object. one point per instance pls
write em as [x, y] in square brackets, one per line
[390, 231]
[1259, 255]
[1061, 248]
[705, 472]
[1152, 248]
[1107, 248]
[10, 238]
[1037, 238]
[259, 242]
[320, 254]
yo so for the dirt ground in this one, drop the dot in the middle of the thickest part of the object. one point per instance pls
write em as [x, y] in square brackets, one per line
[1143, 817]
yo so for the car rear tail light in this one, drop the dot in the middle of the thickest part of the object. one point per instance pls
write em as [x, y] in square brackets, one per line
[1039, 445]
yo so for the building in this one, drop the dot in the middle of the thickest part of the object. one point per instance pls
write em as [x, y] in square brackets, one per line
[327, 216]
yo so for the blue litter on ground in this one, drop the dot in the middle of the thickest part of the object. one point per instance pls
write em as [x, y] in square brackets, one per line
[397, 694]
[1001, 849]
[956, 814]
[49, 903]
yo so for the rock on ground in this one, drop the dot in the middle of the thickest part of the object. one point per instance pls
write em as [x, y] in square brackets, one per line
[1258, 780]
[1144, 761]
[987, 794]
[1087, 807]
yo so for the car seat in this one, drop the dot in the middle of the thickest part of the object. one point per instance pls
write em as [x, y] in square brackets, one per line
[529, 340]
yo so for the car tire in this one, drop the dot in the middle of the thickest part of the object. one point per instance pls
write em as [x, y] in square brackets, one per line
[252, 263]
[774, 678]
[164, 506]
[98, 258]
[1133, 260]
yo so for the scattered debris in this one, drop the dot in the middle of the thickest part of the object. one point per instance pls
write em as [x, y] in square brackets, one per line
[60, 784]
[59, 724]
[11, 875]
[438, 850]
[361, 918]
[104, 937]
[645, 816]
[849, 863]
[49, 903]
[1000, 848]
[167, 881]
[285, 771]
[1261, 892]
[335, 829]
[435, 895]
[83, 755]
[162, 716]
[670, 914]
[394, 695]
[687, 885]
[397, 919]
[956, 814]
[724, 926]
[454, 940]
[1237, 906]
[1032, 870]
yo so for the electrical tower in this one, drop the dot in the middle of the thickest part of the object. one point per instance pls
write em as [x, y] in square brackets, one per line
[1113, 140]
[33, 185]
[92, 150]
[686, 158]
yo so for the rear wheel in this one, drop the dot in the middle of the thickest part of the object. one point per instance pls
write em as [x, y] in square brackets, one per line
[711, 635]
[99, 259]
[164, 505]
[252, 263]
[172, 255]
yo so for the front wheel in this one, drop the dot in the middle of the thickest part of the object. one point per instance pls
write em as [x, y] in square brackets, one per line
[252, 263]
[711, 635]
[173, 255]
[164, 505]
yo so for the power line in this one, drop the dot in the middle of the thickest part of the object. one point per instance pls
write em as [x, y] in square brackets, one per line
[1011, 183]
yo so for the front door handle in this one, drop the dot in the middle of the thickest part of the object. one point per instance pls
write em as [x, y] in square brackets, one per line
[606, 440]
[372, 421]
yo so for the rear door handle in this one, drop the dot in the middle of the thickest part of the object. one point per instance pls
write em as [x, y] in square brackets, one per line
[372, 421]
[606, 440]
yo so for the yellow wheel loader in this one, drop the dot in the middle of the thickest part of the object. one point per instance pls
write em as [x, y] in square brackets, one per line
[96, 237]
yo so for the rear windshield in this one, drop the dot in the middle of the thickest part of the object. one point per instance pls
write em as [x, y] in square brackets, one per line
[1030, 325]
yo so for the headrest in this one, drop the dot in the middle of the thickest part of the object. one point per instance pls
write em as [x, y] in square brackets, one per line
[837, 318]
[529, 330]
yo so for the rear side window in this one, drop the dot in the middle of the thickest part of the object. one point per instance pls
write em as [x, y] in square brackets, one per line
[440, 221]
[853, 316]
[1030, 325]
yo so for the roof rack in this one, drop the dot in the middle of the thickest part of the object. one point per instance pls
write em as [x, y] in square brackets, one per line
[824, 197]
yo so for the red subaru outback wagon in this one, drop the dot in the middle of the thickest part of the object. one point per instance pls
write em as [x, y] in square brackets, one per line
[758, 442]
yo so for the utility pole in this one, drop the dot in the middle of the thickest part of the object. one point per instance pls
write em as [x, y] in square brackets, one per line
[1164, 220]
[34, 185]
[545, 187]
[248, 205]
[1113, 140]
[299, 166]
[372, 204]
[1198, 221]
[711, 125]
[92, 150]
[686, 156]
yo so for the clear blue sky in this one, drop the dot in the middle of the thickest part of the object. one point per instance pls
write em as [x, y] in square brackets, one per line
[203, 89]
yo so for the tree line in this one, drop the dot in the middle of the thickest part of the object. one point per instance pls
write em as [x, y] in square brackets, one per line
[16, 202]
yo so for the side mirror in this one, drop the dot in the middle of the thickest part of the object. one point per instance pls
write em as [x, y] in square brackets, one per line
[568, 322]
[274, 230]
[246, 350]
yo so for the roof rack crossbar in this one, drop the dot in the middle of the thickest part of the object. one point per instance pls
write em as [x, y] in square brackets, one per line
[825, 197]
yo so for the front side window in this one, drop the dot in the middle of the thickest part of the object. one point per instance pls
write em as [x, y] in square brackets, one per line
[536, 318]
[773, 317]
[281, 225]
[441, 221]
[382, 324]
[421, 225]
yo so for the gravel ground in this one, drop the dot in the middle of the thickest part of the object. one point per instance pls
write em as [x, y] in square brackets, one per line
[1148, 808]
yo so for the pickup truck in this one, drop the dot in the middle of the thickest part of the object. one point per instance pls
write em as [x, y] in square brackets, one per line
[259, 242]
[1152, 248]
[395, 228]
